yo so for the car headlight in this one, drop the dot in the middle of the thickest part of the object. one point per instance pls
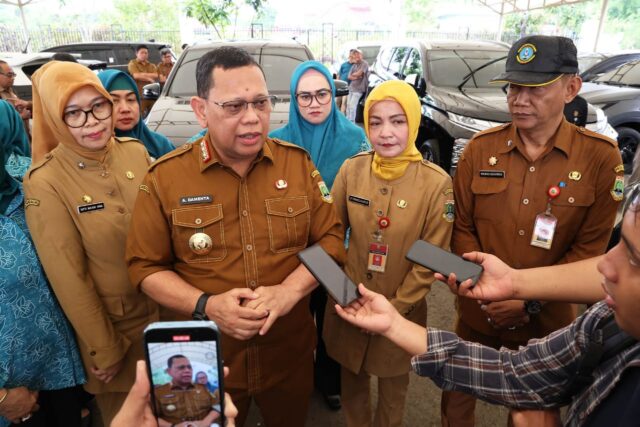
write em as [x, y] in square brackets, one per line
[602, 125]
[471, 123]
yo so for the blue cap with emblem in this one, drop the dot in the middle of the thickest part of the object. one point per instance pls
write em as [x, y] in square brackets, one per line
[539, 61]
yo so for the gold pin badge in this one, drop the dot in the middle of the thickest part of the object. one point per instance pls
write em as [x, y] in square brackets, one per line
[402, 203]
[575, 175]
[281, 184]
[493, 161]
[130, 175]
[200, 243]
[81, 165]
[315, 173]
[509, 142]
[87, 198]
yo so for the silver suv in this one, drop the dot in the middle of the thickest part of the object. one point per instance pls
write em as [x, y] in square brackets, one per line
[172, 116]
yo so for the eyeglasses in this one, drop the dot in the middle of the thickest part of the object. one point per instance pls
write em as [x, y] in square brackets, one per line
[10, 75]
[77, 118]
[323, 96]
[233, 108]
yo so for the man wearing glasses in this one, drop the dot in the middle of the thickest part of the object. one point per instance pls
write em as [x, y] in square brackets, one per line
[215, 234]
[7, 77]
[165, 66]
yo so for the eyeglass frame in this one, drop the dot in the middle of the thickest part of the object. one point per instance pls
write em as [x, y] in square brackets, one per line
[272, 98]
[314, 95]
[86, 115]
[10, 75]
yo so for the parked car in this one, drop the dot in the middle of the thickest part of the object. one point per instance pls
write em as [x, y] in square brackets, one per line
[115, 54]
[172, 115]
[369, 53]
[25, 64]
[593, 65]
[452, 81]
[618, 94]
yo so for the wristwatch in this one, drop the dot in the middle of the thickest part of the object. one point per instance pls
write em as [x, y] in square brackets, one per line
[532, 307]
[199, 312]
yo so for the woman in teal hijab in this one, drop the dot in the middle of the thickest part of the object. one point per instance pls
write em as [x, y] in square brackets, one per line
[316, 124]
[126, 113]
[14, 140]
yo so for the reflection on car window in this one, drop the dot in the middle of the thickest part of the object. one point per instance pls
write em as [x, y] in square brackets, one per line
[385, 57]
[627, 74]
[396, 59]
[413, 65]
[447, 67]
[277, 63]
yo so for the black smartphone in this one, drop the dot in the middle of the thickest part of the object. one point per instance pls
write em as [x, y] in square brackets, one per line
[329, 274]
[184, 363]
[444, 262]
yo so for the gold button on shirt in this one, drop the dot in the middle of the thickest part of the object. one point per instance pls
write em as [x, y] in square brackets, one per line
[491, 215]
[252, 250]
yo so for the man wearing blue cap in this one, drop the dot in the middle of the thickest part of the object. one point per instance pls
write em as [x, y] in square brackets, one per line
[537, 191]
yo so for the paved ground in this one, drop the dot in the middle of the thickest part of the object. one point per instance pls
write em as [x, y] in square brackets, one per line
[423, 400]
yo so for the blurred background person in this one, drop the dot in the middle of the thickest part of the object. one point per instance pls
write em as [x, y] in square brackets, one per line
[390, 198]
[143, 72]
[316, 125]
[81, 190]
[203, 378]
[7, 77]
[126, 113]
[39, 361]
[358, 82]
[343, 74]
[165, 66]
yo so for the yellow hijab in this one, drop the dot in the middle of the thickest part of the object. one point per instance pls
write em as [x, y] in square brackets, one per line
[391, 168]
[53, 85]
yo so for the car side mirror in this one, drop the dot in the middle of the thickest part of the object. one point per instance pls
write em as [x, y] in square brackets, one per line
[151, 91]
[418, 83]
[342, 88]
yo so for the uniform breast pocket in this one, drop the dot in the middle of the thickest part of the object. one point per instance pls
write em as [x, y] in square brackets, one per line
[571, 207]
[198, 234]
[288, 219]
[490, 197]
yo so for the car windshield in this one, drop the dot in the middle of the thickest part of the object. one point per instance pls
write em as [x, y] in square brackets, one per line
[277, 63]
[587, 61]
[448, 68]
[625, 75]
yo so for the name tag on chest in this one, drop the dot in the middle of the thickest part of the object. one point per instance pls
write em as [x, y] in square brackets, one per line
[90, 208]
[196, 200]
[359, 200]
[491, 174]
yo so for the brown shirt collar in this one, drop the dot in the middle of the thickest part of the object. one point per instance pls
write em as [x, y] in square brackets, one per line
[208, 155]
[561, 139]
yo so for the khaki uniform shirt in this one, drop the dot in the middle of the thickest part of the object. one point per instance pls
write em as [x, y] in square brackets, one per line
[136, 66]
[164, 69]
[176, 405]
[362, 199]
[7, 94]
[496, 214]
[78, 211]
[256, 228]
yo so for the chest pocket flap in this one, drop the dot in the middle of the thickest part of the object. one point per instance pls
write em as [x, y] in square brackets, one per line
[200, 219]
[197, 217]
[289, 221]
[481, 185]
[580, 196]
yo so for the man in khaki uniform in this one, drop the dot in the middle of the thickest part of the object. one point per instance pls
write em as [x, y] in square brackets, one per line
[143, 72]
[538, 191]
[165, 67]
[7, 77]
[216, 230]
[182, 400]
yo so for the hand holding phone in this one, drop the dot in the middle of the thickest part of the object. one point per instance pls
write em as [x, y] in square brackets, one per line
[440, 261]
[184, 362]
[329, 274]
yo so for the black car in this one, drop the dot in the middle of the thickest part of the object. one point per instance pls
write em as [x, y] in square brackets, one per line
[593, 65]
[618, 94]
[452, 81]
[115, 54]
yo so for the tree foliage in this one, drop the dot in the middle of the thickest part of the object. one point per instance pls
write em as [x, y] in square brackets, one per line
[217, 13]
[143, 14]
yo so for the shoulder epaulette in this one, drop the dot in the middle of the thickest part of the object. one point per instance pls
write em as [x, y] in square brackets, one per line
[434, 167]
[596, 135]
[39, 164]
[363, 153]
[185, 148]
[122, 139]
[492, 130]
[289, 144]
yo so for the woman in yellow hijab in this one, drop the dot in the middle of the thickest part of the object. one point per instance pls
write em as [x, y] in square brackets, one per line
[79, 194]
[389, 198]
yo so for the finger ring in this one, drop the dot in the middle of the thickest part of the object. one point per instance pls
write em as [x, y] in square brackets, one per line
[512, 328]
[489, 320]
[25, 418]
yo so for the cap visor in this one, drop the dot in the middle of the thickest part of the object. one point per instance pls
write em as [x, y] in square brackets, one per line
[524, 78]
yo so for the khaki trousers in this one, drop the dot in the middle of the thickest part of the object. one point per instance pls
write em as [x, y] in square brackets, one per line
[109, 405]
[356, 399]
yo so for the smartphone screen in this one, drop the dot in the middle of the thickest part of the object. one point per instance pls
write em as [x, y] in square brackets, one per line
[185, 368]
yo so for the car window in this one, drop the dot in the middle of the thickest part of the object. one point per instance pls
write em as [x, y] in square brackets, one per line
[397, 59]
[277, 63]
[448, 68]
[413, 65]
[384, 57]
[626, 74]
